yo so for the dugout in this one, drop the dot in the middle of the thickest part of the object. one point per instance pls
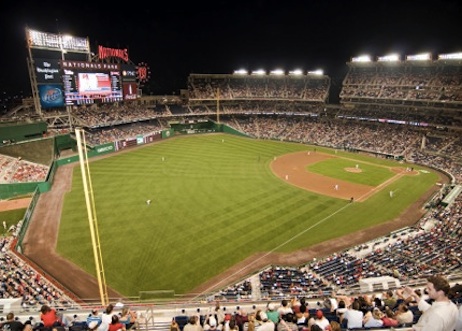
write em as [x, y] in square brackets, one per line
[452, 195]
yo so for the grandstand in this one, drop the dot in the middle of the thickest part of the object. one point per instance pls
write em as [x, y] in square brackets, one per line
[404, 84]
[312, 88]
[407, 111]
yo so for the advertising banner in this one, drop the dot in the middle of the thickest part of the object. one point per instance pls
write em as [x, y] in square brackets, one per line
[51, 95]
[47, 71]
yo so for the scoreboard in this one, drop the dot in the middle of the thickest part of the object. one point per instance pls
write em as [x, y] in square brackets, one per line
[65, 76]
[64, 82]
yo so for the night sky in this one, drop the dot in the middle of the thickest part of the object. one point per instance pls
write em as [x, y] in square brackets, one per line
[178, 38]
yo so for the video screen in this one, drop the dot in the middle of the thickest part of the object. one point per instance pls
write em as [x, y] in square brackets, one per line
[90, 83]
[88, 86]
[68, 82]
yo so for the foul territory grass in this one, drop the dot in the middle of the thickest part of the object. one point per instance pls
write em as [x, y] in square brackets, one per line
[215, 202]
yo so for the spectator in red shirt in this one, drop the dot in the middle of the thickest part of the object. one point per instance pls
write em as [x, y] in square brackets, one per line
[115, 324]
[49, 317]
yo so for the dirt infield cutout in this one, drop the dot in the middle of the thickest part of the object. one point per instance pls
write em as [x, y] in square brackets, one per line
[292, 168]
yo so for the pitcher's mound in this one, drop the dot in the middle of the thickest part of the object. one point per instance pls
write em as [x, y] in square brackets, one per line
[356, 170]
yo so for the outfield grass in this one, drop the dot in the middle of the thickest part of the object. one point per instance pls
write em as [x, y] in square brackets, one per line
[214, 203]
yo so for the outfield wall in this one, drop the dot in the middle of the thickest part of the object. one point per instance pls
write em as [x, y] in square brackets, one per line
[26, 220]
[8, 191]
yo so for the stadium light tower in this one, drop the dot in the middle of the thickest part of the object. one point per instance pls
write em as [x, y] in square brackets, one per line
[296, 72]
[259, 72]
[317, 72]
[419, 57]
[277, 72]
[90, 202]
[361, 58]
[240, 72]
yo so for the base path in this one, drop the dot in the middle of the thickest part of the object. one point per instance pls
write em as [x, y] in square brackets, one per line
[292, 168]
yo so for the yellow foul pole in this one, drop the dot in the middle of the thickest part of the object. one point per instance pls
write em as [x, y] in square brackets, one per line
[91, 210]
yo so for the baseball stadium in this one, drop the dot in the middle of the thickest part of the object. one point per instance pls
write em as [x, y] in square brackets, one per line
[243, 192]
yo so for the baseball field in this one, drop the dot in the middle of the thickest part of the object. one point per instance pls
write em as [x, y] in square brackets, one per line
[218, 201]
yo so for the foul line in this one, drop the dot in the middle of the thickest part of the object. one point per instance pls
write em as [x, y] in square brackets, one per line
[380, 187]
[273, 250]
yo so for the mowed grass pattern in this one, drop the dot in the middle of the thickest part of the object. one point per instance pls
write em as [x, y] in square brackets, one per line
[215, 202]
